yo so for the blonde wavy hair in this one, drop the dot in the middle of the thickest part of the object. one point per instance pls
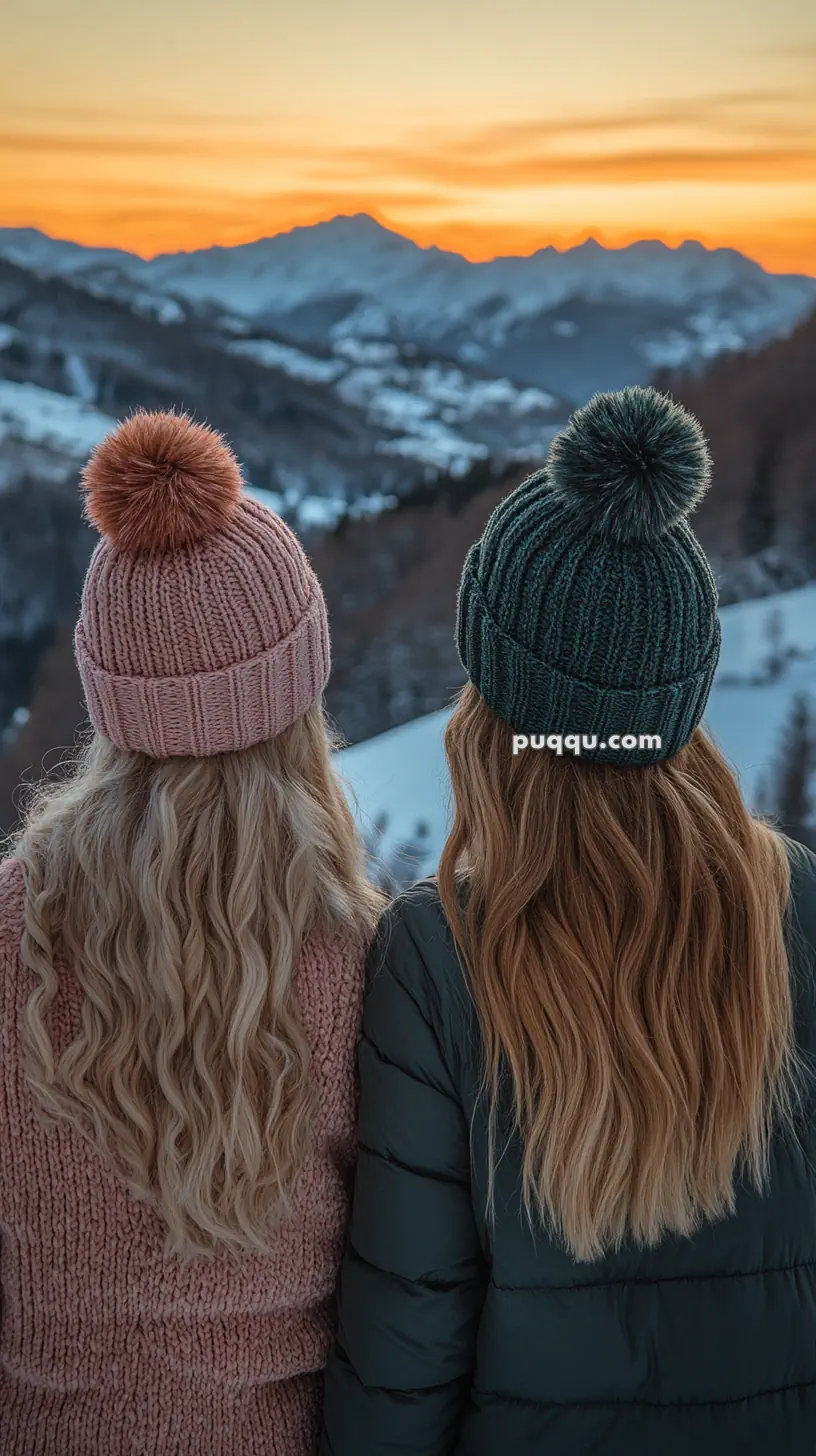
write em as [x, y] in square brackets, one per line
[179, 893]
[622, 932]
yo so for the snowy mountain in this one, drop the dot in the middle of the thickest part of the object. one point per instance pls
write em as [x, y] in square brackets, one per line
[430, 288]
[344, 420]
[768, 657]
[30, 248]
[102, 272]
[113, 358]
[565, 321]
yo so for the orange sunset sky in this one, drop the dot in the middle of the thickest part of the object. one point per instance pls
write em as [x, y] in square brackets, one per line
[485, 127]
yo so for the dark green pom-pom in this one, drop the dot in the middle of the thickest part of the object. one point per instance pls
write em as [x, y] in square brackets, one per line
[630, 465]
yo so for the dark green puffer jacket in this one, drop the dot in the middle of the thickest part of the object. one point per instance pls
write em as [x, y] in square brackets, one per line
[459, 1338]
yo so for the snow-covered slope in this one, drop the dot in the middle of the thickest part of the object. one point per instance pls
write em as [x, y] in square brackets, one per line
[67, 428]
[437, 414]
[414, 412]
[63, 423]
[403, 773]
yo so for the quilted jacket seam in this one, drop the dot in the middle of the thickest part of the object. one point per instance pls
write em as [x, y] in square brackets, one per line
[665, 1279]
[500, 1398]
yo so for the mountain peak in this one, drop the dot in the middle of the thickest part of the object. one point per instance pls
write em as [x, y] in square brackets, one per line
[351, 227]
[426, 291]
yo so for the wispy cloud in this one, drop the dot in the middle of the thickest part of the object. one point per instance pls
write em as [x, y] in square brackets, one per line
[539, 169]
[136, 145]
[745, 110]
[760, 125]
[455, 169]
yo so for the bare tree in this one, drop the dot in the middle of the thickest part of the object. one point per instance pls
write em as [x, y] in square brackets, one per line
[796, 762]
[774, 629]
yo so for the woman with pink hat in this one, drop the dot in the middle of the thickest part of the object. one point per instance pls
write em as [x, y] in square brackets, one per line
[183, 924]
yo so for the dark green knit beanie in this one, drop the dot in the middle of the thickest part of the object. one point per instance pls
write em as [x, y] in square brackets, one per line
[587, 607]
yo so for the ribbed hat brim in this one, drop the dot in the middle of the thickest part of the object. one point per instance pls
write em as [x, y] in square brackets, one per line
[224, 711]
[533, 697]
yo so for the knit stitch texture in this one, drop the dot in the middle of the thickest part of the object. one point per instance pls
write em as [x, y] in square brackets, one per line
[207, 649]
[107, 1347]
[567, 625]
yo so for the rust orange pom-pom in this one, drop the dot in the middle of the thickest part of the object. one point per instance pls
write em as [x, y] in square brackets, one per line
[160, 481]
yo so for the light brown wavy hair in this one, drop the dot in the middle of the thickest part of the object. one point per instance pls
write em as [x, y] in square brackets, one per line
[179, 893]
[622, 933]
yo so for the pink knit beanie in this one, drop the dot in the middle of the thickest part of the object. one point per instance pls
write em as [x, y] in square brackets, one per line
[203, 627]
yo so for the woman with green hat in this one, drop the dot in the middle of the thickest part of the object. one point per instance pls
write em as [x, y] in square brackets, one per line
[585, 1209]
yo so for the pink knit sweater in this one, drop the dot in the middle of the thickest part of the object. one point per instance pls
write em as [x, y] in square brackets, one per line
[108, 1347]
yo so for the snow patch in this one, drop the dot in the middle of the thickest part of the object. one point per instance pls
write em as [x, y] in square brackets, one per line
[60, 421]
[423, 403]
[669, 350]
[468, 397]
[163, 310]
[368, 320]
[709, 335]
[293, 362]
[14, 726]
[365, 351]
[437, 447]
[320, 512]
[396, 408]
[79, 377]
